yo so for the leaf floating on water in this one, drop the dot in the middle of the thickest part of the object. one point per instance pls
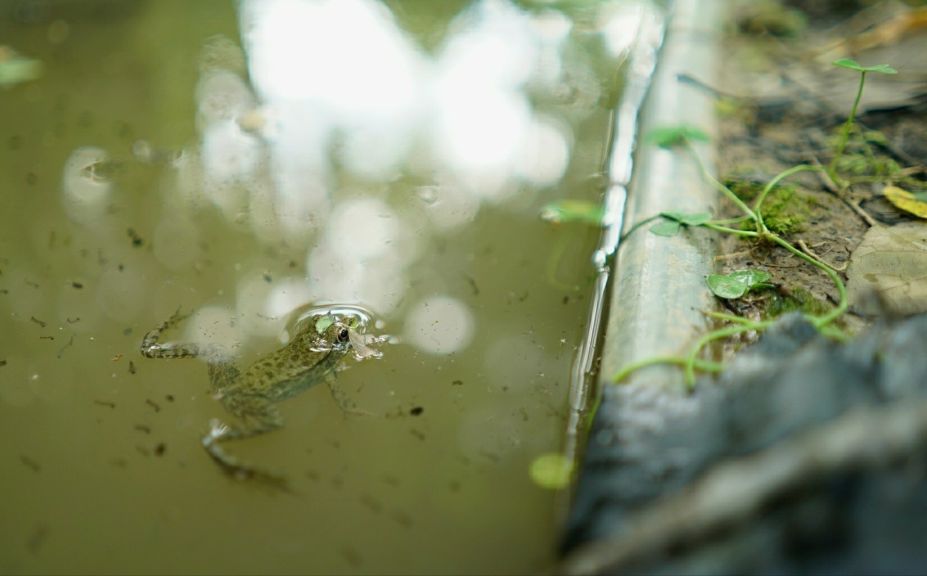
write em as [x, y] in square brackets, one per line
[322, 324]
[904, 200]
[738, 283]
[574, 211]
[16, 69]
[553, 471]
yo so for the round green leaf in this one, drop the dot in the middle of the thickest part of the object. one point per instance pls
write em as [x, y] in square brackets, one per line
[322, 324]
[666, 228]
[736, 284]
[688, 219]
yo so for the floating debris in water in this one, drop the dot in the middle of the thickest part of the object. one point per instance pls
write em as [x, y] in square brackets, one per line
[136, 239]
[30, 463]
[69, 343]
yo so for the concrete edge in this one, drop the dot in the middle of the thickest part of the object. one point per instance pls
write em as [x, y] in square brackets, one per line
[658, 292]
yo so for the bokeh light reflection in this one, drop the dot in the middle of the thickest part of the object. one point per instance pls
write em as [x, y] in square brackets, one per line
[439, 325]
[336, 92]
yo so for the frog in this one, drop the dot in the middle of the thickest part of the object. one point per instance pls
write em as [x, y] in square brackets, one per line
[313, 355]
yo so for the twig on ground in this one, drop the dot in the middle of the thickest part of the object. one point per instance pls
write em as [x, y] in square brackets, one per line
[810, 252]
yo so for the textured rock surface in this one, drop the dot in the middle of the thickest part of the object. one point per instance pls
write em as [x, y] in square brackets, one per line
[857, 507]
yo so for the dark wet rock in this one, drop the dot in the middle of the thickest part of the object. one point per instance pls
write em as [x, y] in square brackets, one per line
[678, 483]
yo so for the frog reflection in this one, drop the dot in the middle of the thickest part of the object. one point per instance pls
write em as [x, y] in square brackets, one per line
[312, 356]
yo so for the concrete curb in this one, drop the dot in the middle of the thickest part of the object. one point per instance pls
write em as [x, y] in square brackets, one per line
[659, 291]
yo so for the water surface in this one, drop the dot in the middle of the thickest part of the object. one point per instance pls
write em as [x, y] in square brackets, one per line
[240, 161]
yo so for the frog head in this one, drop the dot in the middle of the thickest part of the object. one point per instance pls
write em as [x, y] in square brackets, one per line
[344, 329]
[334, 330]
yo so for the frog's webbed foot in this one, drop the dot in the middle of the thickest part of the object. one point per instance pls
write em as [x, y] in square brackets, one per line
[220, 432]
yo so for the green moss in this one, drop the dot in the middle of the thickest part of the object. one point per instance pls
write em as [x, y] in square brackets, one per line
[864, 165]
[785, 210]
[860, 162]
[745, 189]
[794, 300]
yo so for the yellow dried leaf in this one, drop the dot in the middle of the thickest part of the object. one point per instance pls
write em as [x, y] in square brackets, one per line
[904, 200]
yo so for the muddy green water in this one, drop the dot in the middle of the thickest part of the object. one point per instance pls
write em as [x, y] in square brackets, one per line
[240, 160]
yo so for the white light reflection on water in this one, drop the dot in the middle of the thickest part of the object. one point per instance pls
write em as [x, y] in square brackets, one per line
[346, 89]
[85, 196]
[620, 23]
[214, 329]
[354, 183]
[439, 325]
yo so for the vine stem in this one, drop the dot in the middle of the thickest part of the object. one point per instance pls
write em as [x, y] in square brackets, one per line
[691, 360]
[843, 303]
[718, 184]
[704, 365]
[758, 206]
[847, 126]
[729, 230]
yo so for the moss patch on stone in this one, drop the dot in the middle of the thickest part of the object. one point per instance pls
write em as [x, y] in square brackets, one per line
[794, 299]
[785, 210]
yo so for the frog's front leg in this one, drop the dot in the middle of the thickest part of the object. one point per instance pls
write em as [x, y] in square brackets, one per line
[151, 346]
[340, 398]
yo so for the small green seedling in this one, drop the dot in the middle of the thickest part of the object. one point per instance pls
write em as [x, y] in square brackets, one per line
[737, 284]
[851, 64]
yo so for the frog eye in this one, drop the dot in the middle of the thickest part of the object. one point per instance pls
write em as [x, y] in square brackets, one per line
[343, 334]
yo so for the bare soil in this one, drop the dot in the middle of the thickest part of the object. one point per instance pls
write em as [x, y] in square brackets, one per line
[782, 103]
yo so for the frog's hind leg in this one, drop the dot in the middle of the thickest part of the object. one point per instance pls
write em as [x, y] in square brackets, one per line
[269, 419]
